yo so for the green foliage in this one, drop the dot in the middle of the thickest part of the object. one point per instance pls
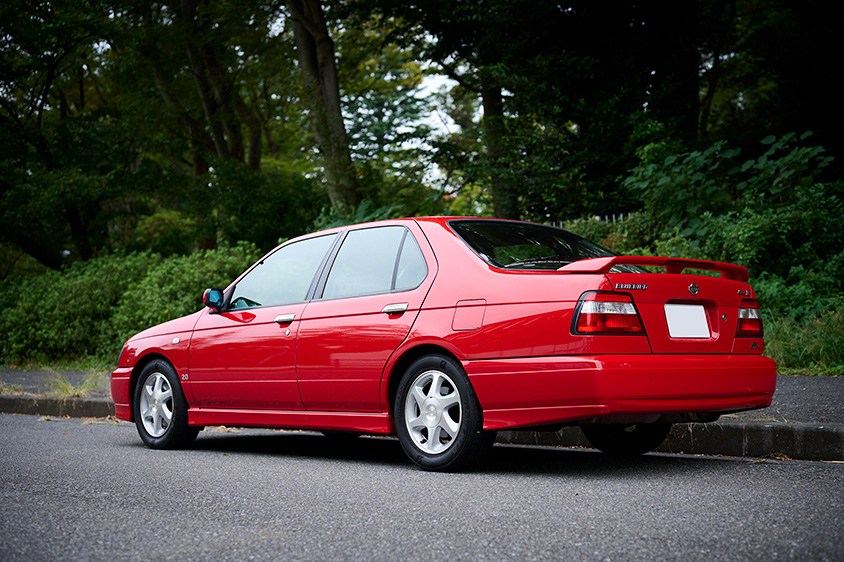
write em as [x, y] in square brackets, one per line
[365, 212]
[173, 287]
[622, 237]
[683, 190]
[165, 231]
[90, 308]
[66, 313]
[813, 346]
[258, 207]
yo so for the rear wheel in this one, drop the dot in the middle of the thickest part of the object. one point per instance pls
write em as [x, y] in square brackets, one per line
[161, 411]
[439, 420]
[628, 440]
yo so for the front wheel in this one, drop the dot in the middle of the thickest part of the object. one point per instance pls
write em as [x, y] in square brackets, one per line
[627, 440]
[439, 420]
[161, 411]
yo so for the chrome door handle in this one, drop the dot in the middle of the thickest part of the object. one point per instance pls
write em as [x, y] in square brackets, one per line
[284, 318]
[395, 308]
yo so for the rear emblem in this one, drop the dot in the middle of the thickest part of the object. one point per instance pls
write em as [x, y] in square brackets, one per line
[631, 286]
[694, 289]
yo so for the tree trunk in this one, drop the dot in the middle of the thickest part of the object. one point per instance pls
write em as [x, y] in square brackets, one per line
[315, 50]
[78, 232]
[203, 89]
[504, 200]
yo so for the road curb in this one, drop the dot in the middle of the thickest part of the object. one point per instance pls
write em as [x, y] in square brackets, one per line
[58, 407]
[795, 440]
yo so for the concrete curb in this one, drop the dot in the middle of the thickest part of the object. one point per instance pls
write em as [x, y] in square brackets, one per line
[58, 407]
[795, 440]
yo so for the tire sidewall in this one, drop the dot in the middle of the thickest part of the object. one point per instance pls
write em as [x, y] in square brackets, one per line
[471, 422]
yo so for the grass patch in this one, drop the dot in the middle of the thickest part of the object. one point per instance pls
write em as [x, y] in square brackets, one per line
[15, 389]
[63, 388]
[814, 346]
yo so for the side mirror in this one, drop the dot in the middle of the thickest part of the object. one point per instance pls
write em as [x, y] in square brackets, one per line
[213, 299]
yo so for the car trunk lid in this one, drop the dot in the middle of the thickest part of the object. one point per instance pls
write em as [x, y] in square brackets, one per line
[681, 313]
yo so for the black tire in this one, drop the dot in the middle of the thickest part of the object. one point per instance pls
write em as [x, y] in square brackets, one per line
[626, 440]
[160, 408]
[439, 420]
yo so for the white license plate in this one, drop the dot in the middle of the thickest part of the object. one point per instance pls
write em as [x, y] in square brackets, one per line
[686, 321]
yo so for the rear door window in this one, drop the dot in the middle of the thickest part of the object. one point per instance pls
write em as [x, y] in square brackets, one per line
[376, 260]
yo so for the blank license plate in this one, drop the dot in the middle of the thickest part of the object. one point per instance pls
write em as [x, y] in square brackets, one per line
[686, 321]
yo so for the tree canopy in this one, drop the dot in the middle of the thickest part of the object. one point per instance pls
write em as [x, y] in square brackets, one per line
[182, 124]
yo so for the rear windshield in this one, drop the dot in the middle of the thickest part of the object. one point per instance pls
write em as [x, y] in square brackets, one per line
[519, 245]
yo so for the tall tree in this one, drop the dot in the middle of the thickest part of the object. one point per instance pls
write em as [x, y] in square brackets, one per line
[315, 50]
[64, 150]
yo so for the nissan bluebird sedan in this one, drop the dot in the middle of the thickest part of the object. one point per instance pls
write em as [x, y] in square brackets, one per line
[443, 331]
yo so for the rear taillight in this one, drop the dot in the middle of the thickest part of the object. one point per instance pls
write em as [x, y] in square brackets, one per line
[607, 313]
[749, 319]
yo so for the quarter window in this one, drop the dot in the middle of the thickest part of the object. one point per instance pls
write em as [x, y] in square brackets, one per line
[411, 269]
[284, 276]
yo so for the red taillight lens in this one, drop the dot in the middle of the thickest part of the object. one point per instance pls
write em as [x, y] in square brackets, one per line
[607, 313]
[749, 320]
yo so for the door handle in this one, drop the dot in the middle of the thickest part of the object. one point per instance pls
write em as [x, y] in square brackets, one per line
[284, 318]
[395, 308]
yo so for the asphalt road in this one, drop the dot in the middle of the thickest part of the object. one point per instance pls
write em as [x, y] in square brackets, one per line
[82, 490]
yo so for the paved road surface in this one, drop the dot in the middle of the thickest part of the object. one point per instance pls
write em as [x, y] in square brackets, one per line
[77, 490]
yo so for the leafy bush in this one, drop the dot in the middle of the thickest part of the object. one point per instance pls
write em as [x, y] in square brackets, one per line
[365, 212]
[67, 313]
[90, 308]
[173, 287]
[626, 236]
[810, 347]
[682, 190]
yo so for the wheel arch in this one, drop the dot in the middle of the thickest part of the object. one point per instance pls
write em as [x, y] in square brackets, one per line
[136, 373]
[406, 359]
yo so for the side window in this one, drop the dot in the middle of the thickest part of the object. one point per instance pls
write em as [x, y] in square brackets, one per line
[284, 276]
[412, 269]
[376, 260]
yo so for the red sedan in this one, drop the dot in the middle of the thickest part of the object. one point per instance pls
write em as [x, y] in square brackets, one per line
[442, 331]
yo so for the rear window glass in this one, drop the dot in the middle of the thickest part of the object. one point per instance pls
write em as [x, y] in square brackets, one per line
[517, 245]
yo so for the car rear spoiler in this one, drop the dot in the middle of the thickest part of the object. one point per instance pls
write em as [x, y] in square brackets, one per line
[672, 265]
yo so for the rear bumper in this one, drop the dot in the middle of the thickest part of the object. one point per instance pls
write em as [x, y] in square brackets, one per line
[548, 390]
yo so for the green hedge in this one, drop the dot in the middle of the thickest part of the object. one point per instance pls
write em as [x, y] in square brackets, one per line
[91, 308]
